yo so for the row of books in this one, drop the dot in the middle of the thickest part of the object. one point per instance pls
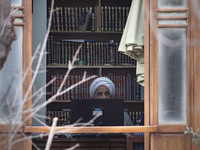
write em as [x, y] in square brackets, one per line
[65, 114]
[72, 18]
[136, 116]
[92, 53]
[126, 87]
[81, 91]
[113, 18]
[139, 146]
[63, 117]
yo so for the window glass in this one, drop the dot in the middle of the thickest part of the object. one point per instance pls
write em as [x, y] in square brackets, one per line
[177, 14]
[172, 22]
[171, 3]
[11, 82]
[16, 2]
[172, 75]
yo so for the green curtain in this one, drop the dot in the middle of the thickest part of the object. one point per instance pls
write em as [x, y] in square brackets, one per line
[132, 41]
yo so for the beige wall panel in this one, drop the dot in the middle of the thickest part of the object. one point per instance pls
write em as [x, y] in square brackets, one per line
[169, 142]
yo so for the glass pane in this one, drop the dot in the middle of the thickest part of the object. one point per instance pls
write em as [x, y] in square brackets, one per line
[171, 3]
[11, 82]
[18, 12]
[172, 22]
[16, 2]
[177, 14]
[172, 76]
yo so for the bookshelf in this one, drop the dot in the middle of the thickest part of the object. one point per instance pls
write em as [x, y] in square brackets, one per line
[106, 22]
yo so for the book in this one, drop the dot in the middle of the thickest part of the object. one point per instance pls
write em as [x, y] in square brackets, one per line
[84, 20]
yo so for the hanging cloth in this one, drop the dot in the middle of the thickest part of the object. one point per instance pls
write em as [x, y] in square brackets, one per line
[132, 41]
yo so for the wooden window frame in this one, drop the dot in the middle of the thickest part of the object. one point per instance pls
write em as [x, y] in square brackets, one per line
[150, 101]
[147, 128]
[117, 129]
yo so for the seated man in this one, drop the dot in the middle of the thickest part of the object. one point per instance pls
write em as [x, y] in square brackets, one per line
[103, 87]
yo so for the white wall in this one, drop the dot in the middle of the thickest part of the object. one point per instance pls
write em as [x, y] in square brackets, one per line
[39, 30]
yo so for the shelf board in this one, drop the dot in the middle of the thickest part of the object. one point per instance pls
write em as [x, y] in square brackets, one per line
[126, 101]
[86, 32]
[91, 67]
[62, 101]
[87, 35]
[133, 101]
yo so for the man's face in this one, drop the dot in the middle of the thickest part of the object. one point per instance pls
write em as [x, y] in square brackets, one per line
[102, 92]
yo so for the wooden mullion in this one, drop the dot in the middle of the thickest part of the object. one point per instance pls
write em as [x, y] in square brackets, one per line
[18, 24]
[27, 56]
[172, 9]
[18, 7]
[146, 72]
[4, 128]
[18, 16]
[175, 128]
[109, 129]
[153, 64]
[172, 17]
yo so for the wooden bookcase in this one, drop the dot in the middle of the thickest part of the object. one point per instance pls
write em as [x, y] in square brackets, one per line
[106, 23]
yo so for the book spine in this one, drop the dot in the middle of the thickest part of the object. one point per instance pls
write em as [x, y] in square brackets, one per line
[67, 86]
[109, 18]
[75, 18]
[72, 90]
[61, 18]
[54, 21]
[79, 15]
[123, 17]
[142, 93]
[59, 52]
[105, 19]
[97, 53]
[55, 52]
[120, 18]
[94, 54]
[52, 86]
[48, 51]
[93, 21]
[69, 18]
[102, 18]
[113, 18]
[137, 91]
[76, 89]
[66, 19]
[57, 19]
[64, 88]
[63, 52]
[116, 19]
[57, 85]
[88, 53]
[73, 49]
[61, 80]
[91, 54]
[102, 55]
[127, 12]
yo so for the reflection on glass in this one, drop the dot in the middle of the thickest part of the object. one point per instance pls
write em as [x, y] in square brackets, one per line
[171, 3]
[171, 76]
[11, 83]
[177, 14]
[16, 2]
[171, 22]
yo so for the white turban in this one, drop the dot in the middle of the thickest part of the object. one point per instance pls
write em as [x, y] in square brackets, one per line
[102, 81]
